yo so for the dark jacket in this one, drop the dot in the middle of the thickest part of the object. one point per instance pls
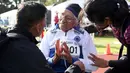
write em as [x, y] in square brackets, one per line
[123, 64]
[22, 55]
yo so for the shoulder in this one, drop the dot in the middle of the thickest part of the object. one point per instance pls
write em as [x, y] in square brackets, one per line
[82, 31]
[84, 34]
[53, 29]
[22, 43]
[79, 31]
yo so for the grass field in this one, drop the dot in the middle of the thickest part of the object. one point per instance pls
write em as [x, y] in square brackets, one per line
[101, 43]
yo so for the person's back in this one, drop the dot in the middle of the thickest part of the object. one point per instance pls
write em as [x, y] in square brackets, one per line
[21, 55]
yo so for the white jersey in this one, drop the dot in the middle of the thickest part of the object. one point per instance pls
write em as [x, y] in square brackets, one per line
[79, 42]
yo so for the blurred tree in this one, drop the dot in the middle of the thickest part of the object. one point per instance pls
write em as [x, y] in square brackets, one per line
[50, 2]
[43, 1]
[17, 2]
[6, 5]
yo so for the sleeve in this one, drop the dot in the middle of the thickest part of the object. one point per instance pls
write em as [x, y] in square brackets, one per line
[74, 59]
[118, 63]
[88, 47]
[122, 62]
[44, 47]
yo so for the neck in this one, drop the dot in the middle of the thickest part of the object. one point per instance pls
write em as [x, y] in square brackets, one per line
[63, 28]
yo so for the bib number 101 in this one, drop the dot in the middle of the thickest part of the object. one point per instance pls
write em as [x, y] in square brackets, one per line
[73, 49]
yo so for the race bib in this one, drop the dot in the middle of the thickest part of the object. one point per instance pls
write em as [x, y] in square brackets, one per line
[73, 48]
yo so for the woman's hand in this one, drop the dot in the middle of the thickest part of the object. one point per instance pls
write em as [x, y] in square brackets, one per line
[66, 53]
[58, 52]
[98, 61]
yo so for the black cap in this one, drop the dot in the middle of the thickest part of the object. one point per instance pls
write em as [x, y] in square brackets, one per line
[74, 8]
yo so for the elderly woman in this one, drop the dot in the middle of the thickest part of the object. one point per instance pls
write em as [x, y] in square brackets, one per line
[67, 43]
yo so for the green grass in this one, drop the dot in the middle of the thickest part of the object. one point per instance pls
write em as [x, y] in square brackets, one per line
[101, 43]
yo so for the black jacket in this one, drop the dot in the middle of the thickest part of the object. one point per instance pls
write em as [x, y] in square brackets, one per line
[123, 64]
[22, 55]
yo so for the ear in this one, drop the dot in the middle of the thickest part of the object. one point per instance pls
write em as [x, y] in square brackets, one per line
[38, 27]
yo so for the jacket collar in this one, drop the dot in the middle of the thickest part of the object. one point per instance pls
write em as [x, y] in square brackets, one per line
[18, 32]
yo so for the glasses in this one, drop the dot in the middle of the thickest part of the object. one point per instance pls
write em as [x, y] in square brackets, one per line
[67, 18]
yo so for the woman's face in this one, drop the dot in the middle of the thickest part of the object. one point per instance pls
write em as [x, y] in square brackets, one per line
[101, 27]
[67, 20]
[101, 23]
[104, 25]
